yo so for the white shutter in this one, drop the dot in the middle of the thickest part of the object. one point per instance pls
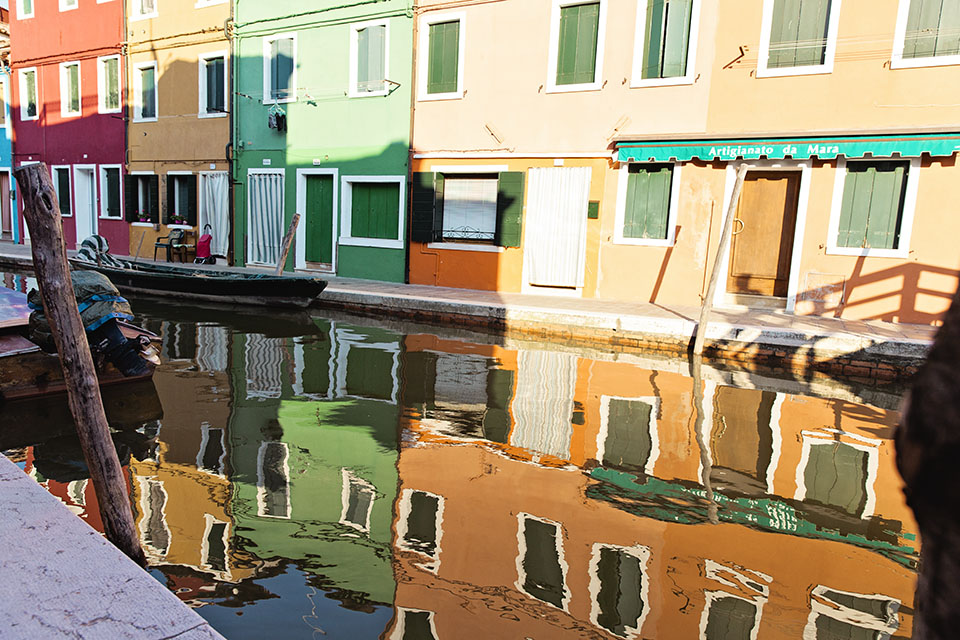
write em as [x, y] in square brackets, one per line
[556, 226]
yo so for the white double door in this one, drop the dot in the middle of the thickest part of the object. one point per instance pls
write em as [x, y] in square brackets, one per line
[84, 202]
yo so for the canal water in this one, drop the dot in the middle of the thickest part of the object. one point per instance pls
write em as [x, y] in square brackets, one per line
[301, 475]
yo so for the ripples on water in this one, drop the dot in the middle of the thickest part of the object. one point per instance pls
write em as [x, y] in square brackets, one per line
[317, 477]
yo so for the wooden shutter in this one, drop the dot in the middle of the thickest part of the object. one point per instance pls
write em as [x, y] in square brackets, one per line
[577, 45]
[371, 55]
[112, 71]
[422, 207]
[872, 205]
[798, 33]
[170, 186]
[676, 38]
[444, 57]
[933, 29]
[154, 209]
[113, 192]
[131, 199]
[191, 200]
[510, 209]
[374, 210]
[496, 419]
[647, 206]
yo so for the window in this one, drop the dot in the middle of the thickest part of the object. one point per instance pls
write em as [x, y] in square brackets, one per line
[647, 204]
[357, 499]
[28, 94]
[414, 624]
[213, 450]
[110, 205]
[61, 184]
[576, 45]
[214, 547]
[143, 9]
[142, 198]
[841, 614]
[108, 84]
[279, 69]
[67, 5]
[70, 89]
[541, 564]
[153, 521]
[666, 36]
[24, 9]
[628, 433]
[421, 515]
[372, 212]
[145, 92]
[927, 34]
[213, 85]
[3, 102]
[873, 206]
[798, 37]
[442, 37]
[273, 480]
[181, 203]
[478, 208]
[369, 43]
[618, 588]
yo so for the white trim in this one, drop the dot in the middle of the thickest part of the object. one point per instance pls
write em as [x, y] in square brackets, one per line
[209, 3]
[642, 554]
[104, 200]
[496, 155]
[349, 479]
[406, 507]
[66, 7]
[352, 90]
[740, 589]
[300, 258]
[424, 55]
[621, 209]
[208, 522]
[65, 90]
[463, 246]
[202, 60]
[21, 14]
[101, 84]
[261, 490]
[345, 340]
[849, 615]
[470, 168]
[283, 187]
[906, 219]
[268, 72]
[145, 512]
[553, 51]
[346, 194]
[897, 61]
[400, 629]
[652, 430]
[56, 184]
[135, 15]
[176, 198]
[777, 442]
[94, 196]
[140, 206]
[833, 22]
[636, 77]
[21, 76]
[804, 167]
[138, 91]
[522, 518]
[827, 436]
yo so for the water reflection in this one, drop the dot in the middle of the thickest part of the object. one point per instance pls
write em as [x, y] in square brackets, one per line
[317, 476]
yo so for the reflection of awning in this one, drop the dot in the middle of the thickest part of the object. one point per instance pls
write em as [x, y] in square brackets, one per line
[824, 147]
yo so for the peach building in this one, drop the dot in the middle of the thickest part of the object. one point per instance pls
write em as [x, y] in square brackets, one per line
[595, 154]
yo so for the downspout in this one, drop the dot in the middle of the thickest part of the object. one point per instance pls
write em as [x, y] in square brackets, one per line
[125, 114]
[229, 148]
[413, 106]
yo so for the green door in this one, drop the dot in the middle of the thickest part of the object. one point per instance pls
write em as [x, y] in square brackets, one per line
[319, 221]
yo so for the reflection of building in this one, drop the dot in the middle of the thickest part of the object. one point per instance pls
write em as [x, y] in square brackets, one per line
[801, 491]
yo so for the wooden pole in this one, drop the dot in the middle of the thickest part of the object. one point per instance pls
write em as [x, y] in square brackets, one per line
[287, 241]
[725, 235]
[139, 244]
[42, 213]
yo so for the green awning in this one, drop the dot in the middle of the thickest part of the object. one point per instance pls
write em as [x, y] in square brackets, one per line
[825, 148]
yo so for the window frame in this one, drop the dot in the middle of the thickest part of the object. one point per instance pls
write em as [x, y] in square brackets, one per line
[652, 428]
[766, 28]
[208, 523]
[21, 14]
[621, 210]
[65, 89]
[268, 71]
[400, 628]
[424, 60]
[553, 50]
[522, 518]
[56, 185]
[636, 75]
[202, 60]
[145, 483]
[135, 15]
[102, 84]
[173, 175]
[102, 186]
[346, 204]
[5, 111]
[261, 488]
[22, 79]
[848, 615]
[906, 220]
[220, 471]
[642, 554]
[406, 508]
[897, 61]
[353, 90]
[472, 242]
[138, 91]
[138, 175]
[348, 480]
[826, 437]
[64, 6]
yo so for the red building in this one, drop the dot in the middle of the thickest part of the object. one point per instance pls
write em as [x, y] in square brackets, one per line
[67, 108]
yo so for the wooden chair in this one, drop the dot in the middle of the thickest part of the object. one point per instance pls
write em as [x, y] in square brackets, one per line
[174, 243]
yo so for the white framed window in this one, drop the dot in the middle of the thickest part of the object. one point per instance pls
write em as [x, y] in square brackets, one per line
[628, 436]
[420, 526]
[212, 456]
[442, 45]
[143, 9]
[213, 85]
[145, 92]
[577, 33]
[24, 9]
[273, 480]
[280, 68]
[108, 84]
[366, 368]
[734, 609]
[68, 5]
[181, 200]
[665, 43]
[154, 531]
[927, 34]
[62, 185]
[142, 198]
[369, 59]
[357, 497]
[470, 208]
[29, 97]
[648, 198]
[414, 623]
[111, 191]
[838, 470]
[844, 614]
[373, 211]
[214, 546]
[5, 102]
[70, 89]
[541, 567]
[798, 37]
[619, 588]
[873, 207]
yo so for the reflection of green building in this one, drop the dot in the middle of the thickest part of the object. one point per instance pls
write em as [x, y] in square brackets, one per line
[314, 452]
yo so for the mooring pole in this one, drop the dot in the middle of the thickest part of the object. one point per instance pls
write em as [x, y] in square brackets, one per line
[42, 213]
[287, 241]
[721, 250]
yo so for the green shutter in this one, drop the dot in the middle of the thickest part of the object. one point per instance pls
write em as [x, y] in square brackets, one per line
[666, 38]
[731, 618]
[628, 443]
[933, 29]
[113, 192]
[872, 205]
[798, 33]
[281, 68]
[130, 197]
[509, 209]
[154, 187]
[191, 196]
[63, 191]
[111, 69]
[444, 57]
[374, 210]
[170, 186]
[148, 93]
[836, 475]
[73, 88]
[577, 44]
[371, 56]
[647, 207]
[28, 7]
[421, 208]
[215, 80]
[319, 219]
[496, 418]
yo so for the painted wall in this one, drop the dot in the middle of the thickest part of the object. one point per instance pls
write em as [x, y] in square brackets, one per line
[6, 156]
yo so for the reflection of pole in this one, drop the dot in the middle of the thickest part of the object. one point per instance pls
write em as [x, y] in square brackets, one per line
[705, 463]
[725, 235]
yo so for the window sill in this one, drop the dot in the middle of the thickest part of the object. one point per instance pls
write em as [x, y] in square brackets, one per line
[66, 215]
[147, 16]
[142, 224]
[463, 246]
[899, 62]
[782, 72]
[118, 218]
[642, 83]
[573, 88]
[209, 3]
[375, 243]
[280, 101]
[101, 110]
[644, 242]
[367, 94]
[138, 120]
[218, 114]
[28, 119]
[868, 253]
[185, 227]
[66, 115]
[427, 97]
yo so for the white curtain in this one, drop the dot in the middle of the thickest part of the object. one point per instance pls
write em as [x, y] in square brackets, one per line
[265, 224]
[543, 403]
[556, 226]
[215, 210]
[264, 366]
[211, 347]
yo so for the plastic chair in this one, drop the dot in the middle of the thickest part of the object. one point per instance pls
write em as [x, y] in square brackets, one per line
[174, 242]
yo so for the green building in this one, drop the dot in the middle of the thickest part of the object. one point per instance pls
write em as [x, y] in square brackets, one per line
[322, 128]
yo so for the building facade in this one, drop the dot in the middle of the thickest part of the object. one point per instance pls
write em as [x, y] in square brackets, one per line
[8, 230]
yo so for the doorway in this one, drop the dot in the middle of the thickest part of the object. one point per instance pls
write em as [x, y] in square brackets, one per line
[6, 218]
[318, 232]
[85, 206]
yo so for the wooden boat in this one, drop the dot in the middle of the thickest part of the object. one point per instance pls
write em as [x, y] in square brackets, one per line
[211, 285]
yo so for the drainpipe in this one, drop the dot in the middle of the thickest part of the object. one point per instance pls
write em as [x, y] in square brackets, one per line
[229, 148]
[413, 106]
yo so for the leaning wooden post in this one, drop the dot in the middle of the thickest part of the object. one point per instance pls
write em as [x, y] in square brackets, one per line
[287, 241]
[42, 213]
[721, 250]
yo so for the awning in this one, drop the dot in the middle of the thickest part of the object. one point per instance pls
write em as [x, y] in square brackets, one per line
[825, 148]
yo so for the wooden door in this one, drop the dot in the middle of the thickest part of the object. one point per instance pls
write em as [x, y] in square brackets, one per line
[6, 224]
[763, 233]
[320, 222]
